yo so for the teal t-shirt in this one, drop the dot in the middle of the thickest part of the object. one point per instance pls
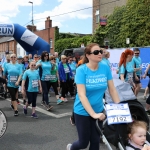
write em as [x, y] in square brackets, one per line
[129, 69]
[137, 64]
[13, 71]
[4, 65]
[33, 76]
[106, 61]
[66, 69]
[46, 70]
[95, 84]
[73, 68]
[53, 76]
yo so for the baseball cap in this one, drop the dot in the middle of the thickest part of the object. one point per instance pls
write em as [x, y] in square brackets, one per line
[19, 57]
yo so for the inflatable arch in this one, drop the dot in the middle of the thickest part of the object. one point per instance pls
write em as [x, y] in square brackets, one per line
[31, 43]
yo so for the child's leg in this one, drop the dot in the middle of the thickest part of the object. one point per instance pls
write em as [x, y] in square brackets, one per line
[34, 97]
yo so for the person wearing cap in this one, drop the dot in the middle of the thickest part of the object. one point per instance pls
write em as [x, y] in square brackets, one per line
[7, 61]
[30, 57]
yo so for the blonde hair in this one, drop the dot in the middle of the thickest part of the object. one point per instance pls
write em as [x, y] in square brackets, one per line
[12, 55]
[63, 56]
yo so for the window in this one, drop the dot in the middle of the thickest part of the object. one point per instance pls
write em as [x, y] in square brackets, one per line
[51, 43]
[97, 16]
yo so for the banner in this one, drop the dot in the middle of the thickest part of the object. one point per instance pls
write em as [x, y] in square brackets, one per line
[115, 57]
[6, 29]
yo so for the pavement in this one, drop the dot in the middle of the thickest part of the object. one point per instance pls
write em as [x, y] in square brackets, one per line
[51, 131]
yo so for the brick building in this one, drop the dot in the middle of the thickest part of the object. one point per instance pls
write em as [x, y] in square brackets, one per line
[104, 7]
[8, 44]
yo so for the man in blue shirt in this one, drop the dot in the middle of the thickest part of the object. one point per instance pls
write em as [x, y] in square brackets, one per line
[137, 68]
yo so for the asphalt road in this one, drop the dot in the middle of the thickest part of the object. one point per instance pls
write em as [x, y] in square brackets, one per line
[51, 131]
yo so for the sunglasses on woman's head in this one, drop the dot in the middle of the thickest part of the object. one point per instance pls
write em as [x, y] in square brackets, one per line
[96, 52]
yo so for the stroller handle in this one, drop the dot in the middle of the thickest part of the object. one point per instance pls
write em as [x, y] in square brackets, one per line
[98, 128]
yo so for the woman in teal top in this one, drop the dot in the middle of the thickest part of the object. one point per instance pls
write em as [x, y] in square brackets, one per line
[126, 67]
[45, 73]
[34, 86]
[92, 79]
[13, 71]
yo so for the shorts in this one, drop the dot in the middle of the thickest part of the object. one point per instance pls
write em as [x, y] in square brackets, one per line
[135, 81]
[13, 91]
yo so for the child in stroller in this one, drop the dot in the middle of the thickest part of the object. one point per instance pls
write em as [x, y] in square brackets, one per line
[137, 136]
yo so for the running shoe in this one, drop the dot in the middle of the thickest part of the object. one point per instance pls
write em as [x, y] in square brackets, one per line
[25, 110]
[72, 121]
[24, 102]
[34, 116]
[65, 100]
[49, 107]
[59, 101]
[16, 113]
[72, 98]
[42, 103]
[68, 147]
[144, 97]
[18, 102]
[12, 107]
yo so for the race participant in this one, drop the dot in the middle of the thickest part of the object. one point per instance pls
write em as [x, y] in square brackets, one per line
[13, 71]
[7, 61]
[92, 79]
[34, 86]
[45, 71]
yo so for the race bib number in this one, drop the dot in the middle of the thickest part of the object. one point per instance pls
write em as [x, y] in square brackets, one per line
[13, 79]
[130, 76]
[47, 77]
[67, 70]
[35, 83]
[118, 113]
[52, 77]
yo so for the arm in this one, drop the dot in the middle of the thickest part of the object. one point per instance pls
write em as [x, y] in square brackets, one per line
[122, 77]
[23, 86]
[37, 66]
[19, 79]
[40, 87]
[113, 91]
[86, 104]
[147, 69]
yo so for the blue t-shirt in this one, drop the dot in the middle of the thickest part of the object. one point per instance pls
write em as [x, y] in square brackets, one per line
[106, 61]
[57, 61]
[137, 64]
[73, 67]
[46, 70]
[95, 84]
[13, 71]
[129, 69]
[33, 76]
[4, 65]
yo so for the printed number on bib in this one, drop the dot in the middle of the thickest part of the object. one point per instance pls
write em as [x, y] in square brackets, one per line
[47, 77]
[52, 77]
[67, 70]
[13, 79]
[35, 83]
[118, 113]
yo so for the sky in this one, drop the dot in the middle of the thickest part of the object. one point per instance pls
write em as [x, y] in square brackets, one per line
[20, 11]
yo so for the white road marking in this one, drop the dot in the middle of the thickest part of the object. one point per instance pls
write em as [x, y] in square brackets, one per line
[47, 112]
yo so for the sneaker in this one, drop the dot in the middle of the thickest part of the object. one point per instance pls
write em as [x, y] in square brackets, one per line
[49, 107]
[72, 98]
[12, 107]
[42, 103]
[72, 121]
[65, 100]
[16, 113]
[144, 97]
[68, 147]
[148, 112]
[59, 101]
[24, 102]
[25, 110]
[18, 102]
[34, 116]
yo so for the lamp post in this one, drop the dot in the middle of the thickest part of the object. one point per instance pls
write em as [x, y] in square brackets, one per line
[32, 15]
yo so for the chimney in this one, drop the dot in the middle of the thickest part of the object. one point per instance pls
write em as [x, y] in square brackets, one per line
[31, 28]
[48, 23]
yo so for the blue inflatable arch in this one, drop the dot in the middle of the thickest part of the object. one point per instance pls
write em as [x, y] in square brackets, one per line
[31, 43]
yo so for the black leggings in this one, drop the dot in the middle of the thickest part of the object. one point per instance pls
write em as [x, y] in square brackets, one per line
[32, 98]
[54, 85]
[13, 91]
[87, 132]
[2, 80]
[45, 89]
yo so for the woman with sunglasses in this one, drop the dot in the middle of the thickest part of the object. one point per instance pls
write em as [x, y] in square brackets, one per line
[13, 71]
[92, 79]
[45, 73]
[54, 78]
[66, 77]
[34, 86]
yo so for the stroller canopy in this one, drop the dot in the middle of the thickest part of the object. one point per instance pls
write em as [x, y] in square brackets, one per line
[124, 91]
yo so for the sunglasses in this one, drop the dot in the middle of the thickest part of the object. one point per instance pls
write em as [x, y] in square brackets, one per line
[33, 65]
[64, 58]
[12, 57]
[35, 57]
[53, 59]
[96, 52]
[46, 55]
[136, 53]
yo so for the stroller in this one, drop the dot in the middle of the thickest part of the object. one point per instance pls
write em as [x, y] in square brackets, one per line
[116, 134]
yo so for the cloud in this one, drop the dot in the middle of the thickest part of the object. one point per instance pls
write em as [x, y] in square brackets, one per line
[10, 8]
[66, 6]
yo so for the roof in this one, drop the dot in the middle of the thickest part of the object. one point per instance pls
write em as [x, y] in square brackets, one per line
[5, 39]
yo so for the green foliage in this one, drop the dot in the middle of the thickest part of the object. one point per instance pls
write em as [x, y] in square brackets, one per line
[130, 21]
[68, 43]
